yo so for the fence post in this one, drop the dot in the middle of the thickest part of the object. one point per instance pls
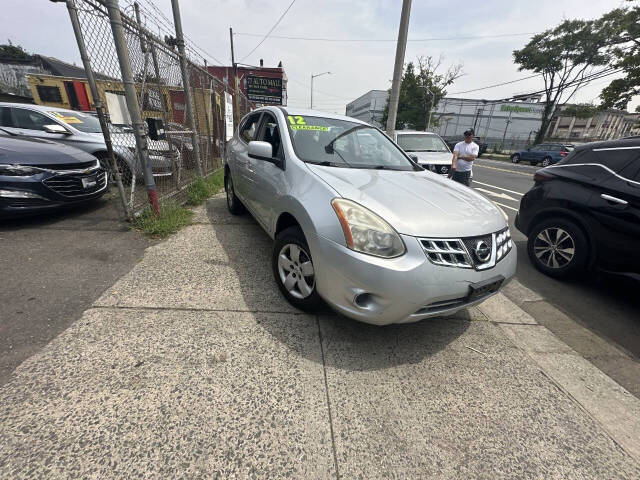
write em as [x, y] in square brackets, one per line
[97, 101]
[120, 44]
[185, 83]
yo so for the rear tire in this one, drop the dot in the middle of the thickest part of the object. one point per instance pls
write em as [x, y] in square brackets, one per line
[515, 158]
[558, 248]
[546, 161]
[234, 204]
[294, 271]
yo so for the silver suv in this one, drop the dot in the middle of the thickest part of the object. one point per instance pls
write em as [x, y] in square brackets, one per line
[359, 225]
[82, 130]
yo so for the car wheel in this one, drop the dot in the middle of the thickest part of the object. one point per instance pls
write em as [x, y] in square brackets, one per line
[294, 271]
[121, 165]
[234, 204]
[515, 158]
[546, 161]
[558, 248]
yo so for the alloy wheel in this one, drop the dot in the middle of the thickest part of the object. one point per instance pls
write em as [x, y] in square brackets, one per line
[229, 190]
[546, 162]
[554, 247]
[295, 270]
[515, 158]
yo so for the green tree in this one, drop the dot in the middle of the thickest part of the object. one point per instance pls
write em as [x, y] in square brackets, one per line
[421, 89]
[622, 29]
[13, 52]
[565, 57]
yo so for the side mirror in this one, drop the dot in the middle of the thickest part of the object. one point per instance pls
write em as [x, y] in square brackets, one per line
[264, 151]
[55, 128]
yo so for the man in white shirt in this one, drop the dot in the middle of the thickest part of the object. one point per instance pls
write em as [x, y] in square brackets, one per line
[464, 153]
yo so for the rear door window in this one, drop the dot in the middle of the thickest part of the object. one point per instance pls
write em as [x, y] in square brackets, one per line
[618, 160]
[5, 117]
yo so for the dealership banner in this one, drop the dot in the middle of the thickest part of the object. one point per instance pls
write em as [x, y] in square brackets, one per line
[264, 89]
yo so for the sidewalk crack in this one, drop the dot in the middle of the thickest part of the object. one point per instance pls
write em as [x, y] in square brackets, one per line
[326, 390]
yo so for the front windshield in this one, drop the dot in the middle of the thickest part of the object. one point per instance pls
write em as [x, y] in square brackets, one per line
[421, 143]
[80, 121]
[362, 147]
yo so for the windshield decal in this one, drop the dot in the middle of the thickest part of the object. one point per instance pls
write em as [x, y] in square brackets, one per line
[317, 128]
[67, 118]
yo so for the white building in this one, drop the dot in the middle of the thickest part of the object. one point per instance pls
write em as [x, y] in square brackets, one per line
[605, 125]
[369, 107]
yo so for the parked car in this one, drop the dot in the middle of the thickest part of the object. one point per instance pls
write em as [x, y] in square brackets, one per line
[39, 175]
[82, 130]
[426, 148]
[544, 153]
[368, 233]
[584, 212]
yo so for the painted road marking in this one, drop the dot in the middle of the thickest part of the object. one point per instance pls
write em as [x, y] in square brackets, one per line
[499, 188]
[505, 170]
[496, 194]
[506, 206]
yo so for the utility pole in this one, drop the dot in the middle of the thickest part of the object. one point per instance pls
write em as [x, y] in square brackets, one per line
[131, 97]
[177, 21]
[398, 67]
[505, 128]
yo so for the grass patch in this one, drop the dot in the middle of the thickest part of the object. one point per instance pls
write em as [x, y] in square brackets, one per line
[204, 187]
[171, 219]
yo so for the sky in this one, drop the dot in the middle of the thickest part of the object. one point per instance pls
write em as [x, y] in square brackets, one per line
[43, 27]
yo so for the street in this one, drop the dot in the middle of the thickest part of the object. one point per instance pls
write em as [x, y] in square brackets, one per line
[601, 311]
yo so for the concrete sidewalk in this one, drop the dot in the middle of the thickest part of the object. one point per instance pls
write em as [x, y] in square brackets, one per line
[193, 366]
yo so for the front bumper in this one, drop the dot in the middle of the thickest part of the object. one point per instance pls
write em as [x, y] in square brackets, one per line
[399, 290]
[29, 195]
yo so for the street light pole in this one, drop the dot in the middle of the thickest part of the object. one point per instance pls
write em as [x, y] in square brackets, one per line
[312, 77]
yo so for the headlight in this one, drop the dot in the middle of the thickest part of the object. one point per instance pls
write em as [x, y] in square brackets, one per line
[366, 232]
[18, 170]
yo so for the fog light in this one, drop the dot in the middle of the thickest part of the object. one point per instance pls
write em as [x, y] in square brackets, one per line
[19, 194]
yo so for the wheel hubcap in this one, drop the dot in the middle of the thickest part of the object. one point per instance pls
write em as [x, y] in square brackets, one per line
[296, 271]
[229, 192]
[554, 247]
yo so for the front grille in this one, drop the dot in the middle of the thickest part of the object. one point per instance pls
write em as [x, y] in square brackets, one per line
[473, 242]
[26, 202]
[480, 252]
[71, 185]
[446, 252]
[67, 166]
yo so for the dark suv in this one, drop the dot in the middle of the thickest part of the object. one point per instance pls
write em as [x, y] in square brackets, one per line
[584, 212]
[545, 153]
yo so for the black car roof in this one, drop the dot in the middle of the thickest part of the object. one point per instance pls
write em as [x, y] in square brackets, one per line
[623, 142]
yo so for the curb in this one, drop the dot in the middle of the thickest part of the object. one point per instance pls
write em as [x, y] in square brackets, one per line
[615, 409]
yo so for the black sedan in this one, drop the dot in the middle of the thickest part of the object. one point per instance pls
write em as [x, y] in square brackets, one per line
[584, 212]
[39, 175]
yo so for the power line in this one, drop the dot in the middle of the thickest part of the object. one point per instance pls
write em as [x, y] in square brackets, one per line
[431, 39]
[497, 84]
[269, 32]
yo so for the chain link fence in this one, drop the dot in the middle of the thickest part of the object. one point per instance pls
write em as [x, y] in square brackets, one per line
[152, 87]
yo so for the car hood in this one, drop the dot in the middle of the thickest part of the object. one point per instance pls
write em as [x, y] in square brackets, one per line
[416, 203]
[432, 158]
[34, 151]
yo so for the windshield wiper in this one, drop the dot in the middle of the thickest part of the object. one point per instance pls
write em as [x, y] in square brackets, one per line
[329, 146]
[324, 163]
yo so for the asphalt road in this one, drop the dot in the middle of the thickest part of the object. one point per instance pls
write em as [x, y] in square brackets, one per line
[53, 268]
[606, 306]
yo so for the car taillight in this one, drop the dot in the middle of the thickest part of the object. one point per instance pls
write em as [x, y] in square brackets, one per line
[541, 177]
[563, 154]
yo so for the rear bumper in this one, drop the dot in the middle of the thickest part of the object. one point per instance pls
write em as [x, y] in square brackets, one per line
[401, 290]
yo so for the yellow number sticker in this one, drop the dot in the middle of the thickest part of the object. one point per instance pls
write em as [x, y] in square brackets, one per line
[297, 120]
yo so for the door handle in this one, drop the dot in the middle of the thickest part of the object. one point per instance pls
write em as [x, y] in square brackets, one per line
[609, 198]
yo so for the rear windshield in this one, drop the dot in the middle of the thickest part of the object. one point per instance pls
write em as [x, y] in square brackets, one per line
[80, 121]
[340, 143]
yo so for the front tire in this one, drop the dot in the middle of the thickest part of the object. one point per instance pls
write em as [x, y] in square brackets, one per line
[558, 248]
[294, 271]
[515, 158]
[234, 204]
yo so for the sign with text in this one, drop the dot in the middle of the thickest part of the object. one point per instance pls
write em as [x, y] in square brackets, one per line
[228, 115]
[264, 89]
